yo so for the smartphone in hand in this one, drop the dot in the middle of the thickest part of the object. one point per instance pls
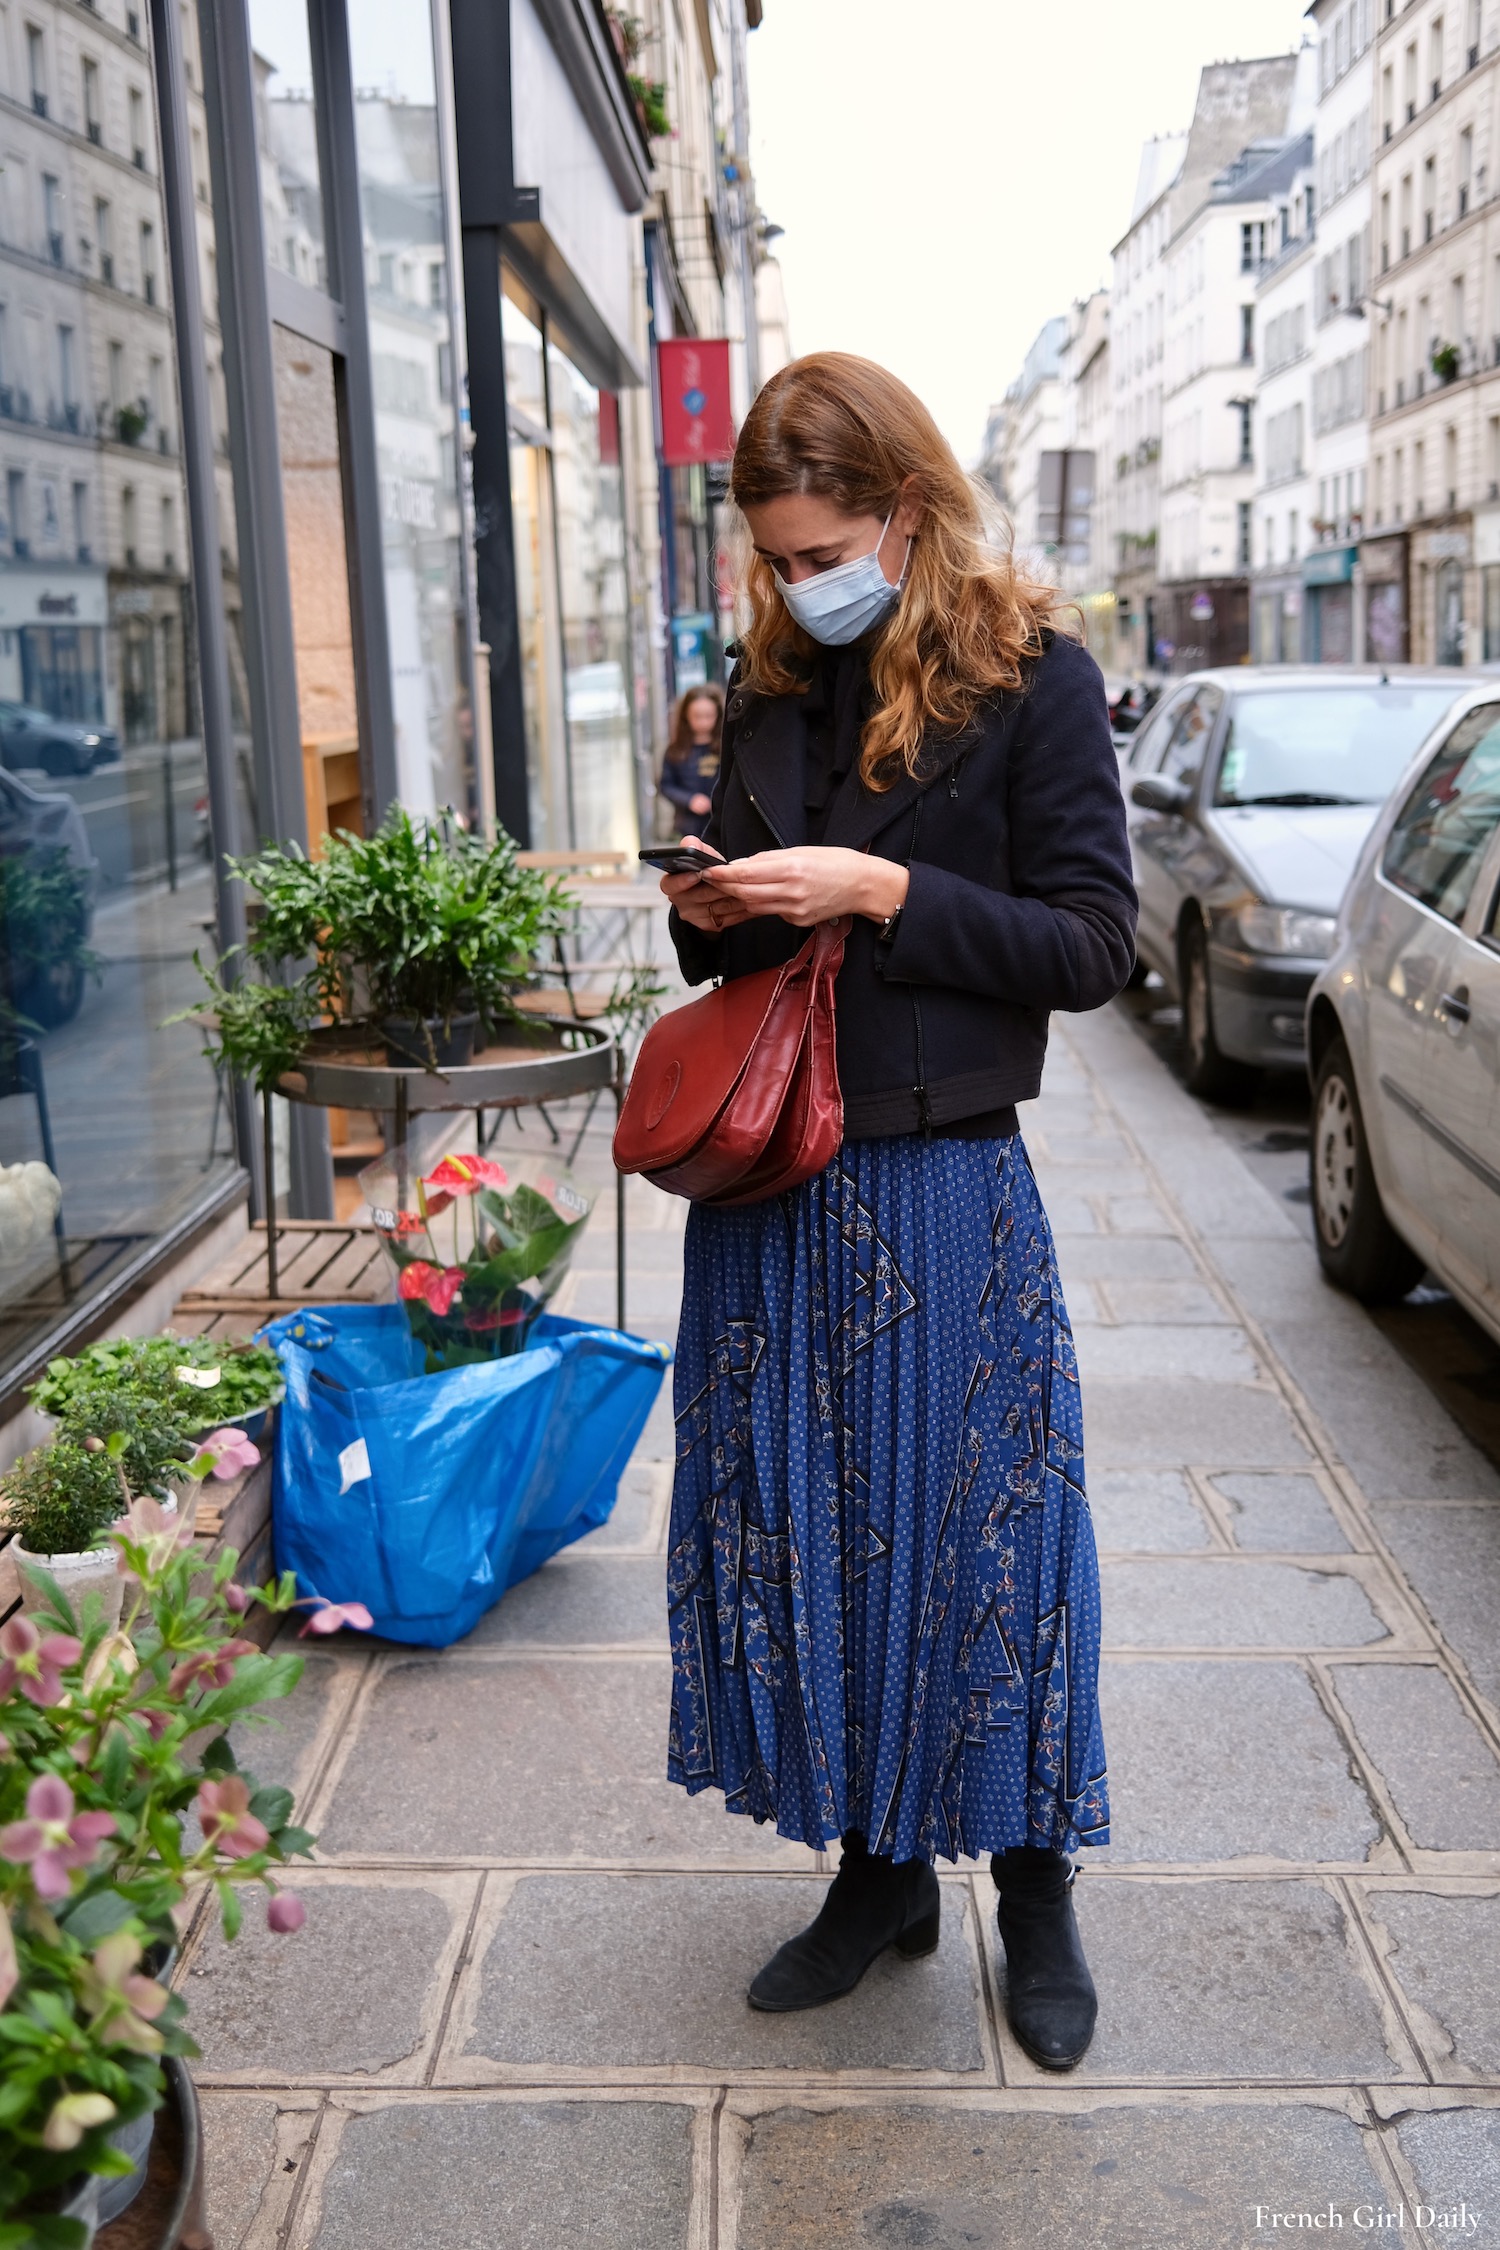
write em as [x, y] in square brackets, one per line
[681, 859]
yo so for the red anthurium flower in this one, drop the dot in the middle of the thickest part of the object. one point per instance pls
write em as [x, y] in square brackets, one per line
[462, 1175]
[227, 1821]
[53, 1837]
[32, 1665]
[497, 1317]
[436, 1287]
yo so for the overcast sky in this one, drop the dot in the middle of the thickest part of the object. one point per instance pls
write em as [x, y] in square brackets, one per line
[952, 173]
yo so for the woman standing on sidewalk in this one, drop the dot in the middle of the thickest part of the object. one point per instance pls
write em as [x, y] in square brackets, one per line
[882, 1581]
[691, 764]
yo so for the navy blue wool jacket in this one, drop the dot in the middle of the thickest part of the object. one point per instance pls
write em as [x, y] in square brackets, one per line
[1020, 901]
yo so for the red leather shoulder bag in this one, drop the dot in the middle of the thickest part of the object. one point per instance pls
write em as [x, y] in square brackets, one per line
[735, 1097]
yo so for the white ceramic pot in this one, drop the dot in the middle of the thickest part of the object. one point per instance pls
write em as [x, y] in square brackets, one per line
[77, 1575]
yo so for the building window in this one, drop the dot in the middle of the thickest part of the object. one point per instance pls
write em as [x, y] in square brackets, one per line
[15, 509]
[1245, 410]
[81, 550]
[1242, 535]
[36, 68]
[104, 241]
[137, 129]
[148, 262]
[1247, 334]
[168, 533]
[92, 123]
[52, 216]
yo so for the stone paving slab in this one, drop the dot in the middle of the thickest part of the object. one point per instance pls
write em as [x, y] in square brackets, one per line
[240, 2161]
[576, 1599]
[528, 1758]
[1146, 1354]
[1156, 2177]
[1103, 1257]
[1455, 2154]
[637, 1513]
[1444, 1952]
[1452, 1558]
[357, 1990]
[510, 2176]
[1209, 1761]
[1130, 1298]
[1171, 1425]
[1443, 1777]
[1231, 1982]
[1147, 1510]
[1229, 1602]
[1284, 1515]
[277, 1748]
[645, 1971]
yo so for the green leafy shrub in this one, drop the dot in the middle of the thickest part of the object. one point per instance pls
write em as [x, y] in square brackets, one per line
[146, 1368]
[62, 1498]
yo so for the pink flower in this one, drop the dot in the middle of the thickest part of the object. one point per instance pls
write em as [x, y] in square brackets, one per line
[285, 1913]
[227, 1821]
[209, 1668]
[229, 1451]
[464, 1175]
[235, 1597]
[33, 1665]
[147, 1524]
[332, 1615]
[53, 1837]
[124, 2004]
[436, 1289]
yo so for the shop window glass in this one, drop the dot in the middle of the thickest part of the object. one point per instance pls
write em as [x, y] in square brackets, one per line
[591, 568]
[317, 561]
[288, 131]
[105, 873]
[416, 423]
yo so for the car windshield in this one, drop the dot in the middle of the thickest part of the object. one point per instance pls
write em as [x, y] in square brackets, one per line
[1324, 746]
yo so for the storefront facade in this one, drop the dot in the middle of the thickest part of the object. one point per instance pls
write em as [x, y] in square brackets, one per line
[1276, 614]
[1328, 620]
[1383, 572]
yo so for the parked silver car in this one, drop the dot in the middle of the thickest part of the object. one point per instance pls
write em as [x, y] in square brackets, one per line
[1403, 1034]
[1250, 792]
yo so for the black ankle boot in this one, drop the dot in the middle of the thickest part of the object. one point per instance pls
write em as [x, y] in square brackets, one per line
[1050, 1995]
[871, 1903]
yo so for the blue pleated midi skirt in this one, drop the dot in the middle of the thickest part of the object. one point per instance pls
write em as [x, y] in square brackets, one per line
[882, 1583]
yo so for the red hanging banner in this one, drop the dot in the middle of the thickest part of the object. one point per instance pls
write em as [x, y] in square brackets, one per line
[693, 381]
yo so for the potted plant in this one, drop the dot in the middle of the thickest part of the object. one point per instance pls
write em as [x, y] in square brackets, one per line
[114, 1735]
[202, 1382]
[1444, 362]
[60, 1502]
[416, 937]
[480, 1252]
[46, 909]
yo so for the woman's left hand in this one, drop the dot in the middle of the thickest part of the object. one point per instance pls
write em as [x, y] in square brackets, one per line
[815, 883]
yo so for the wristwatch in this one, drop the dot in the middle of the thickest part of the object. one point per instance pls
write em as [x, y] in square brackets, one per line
[888, 927]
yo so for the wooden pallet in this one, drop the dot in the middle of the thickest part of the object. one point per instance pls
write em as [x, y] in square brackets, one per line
[319, 1262]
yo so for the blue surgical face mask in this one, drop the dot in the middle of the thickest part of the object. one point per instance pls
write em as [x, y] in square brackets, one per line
[838, 605]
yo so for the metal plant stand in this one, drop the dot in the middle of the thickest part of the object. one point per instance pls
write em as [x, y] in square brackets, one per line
[579, 1058]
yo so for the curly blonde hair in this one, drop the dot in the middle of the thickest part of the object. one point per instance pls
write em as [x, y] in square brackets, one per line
[968, 623]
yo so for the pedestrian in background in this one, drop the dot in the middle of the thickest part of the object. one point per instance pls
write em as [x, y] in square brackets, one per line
[882, 1584]
[691, 764]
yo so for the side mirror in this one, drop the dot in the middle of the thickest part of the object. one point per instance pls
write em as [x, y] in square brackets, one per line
[1161, 793]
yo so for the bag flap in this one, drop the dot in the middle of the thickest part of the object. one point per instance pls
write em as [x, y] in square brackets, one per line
[689, 1064]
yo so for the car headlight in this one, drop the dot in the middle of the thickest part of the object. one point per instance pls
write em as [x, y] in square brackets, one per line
[92, 741]
[1286, 930]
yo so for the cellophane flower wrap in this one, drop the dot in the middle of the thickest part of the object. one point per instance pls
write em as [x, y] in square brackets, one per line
[479, 1248]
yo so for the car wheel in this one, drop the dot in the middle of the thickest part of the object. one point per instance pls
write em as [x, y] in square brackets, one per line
[1208, 1071]
[1358, 1247]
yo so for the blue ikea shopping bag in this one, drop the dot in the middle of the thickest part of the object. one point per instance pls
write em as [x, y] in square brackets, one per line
[426, 1496]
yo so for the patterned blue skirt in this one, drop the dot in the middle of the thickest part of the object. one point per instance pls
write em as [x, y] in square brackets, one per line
[882, 1584]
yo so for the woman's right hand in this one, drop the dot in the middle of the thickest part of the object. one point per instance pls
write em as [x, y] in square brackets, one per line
[701, 904]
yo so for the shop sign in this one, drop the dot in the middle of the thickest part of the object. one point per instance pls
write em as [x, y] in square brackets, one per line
[697, 423]
[1448, 546]
[1328, 566]
[31, 595]
[1487, 535]
[1384, 559]
[1201, 608]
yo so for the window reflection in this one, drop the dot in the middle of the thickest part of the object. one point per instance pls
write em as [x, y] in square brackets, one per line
[105, 885]
[288, 134]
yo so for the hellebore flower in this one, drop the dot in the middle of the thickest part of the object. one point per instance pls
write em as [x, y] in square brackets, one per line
[125, 2004]
[229, 1451]
[53, 1837]
[72, 2117]
[147, 1524]
[10, 1971]
[34, 1665]
[211, 1667]
[228, 1823]
[285, 1913]
[436, 1289]
[465, 1175]
[235, 1596]
[332, 1615]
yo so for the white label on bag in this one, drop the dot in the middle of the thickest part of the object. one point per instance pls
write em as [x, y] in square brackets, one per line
[201, 1378]
[354, 1464]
